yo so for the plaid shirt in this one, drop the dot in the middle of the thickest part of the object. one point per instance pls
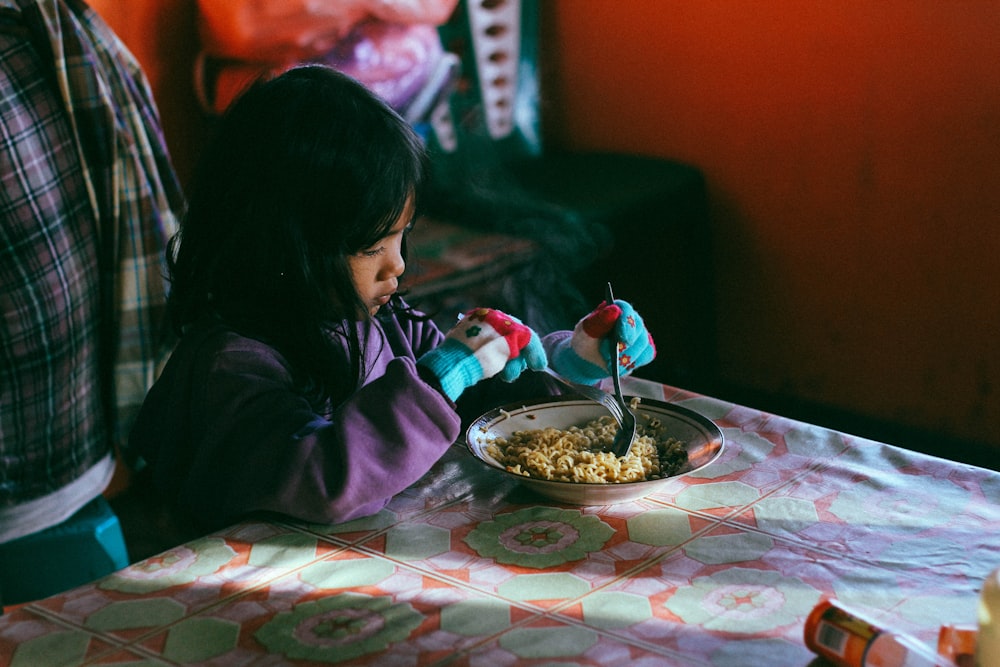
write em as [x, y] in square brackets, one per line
[87, 202]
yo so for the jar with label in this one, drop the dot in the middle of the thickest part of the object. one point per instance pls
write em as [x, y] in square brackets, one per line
[988, 642]
[847, 639]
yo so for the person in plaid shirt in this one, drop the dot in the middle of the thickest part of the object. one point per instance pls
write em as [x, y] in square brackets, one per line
[87, 203]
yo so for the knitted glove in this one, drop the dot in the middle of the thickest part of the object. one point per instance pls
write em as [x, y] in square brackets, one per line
[586, 356]
[484, 343]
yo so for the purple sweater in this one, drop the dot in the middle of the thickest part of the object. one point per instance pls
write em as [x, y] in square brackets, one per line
[225, 433]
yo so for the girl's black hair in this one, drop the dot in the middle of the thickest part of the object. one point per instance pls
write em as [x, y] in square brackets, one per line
[304, 170]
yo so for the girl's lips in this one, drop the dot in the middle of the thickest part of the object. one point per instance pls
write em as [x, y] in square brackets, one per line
[378, 302]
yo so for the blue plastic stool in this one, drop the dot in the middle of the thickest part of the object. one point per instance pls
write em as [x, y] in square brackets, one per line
[87, 546]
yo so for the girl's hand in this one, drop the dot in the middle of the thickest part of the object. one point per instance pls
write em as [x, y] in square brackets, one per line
[484, 343]
[587, 355]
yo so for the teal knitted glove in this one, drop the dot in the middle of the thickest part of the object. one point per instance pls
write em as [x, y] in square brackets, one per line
[484, 343]
[586, 355]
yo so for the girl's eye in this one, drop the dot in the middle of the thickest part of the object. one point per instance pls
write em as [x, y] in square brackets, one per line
[373, 252]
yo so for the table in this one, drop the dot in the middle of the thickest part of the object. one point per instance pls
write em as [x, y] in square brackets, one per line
[468, 568]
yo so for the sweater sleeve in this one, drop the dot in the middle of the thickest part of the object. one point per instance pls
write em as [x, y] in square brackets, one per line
[260, 447]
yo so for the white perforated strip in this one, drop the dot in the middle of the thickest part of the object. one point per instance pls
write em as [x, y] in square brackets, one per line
[496, 38]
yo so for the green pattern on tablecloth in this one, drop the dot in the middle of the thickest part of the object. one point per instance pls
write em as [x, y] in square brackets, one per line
[339, 628]
[813, 443]
[476, 618]
[198, 639]
[900, 509]
[790, 514]
[347, 572]
[720, 494]
[539, 537]
[417, 541]
[743, 601]
[554, 586]
[176, 567]
[288, 550]
[131, 614]
[538, 643]
[660, 528]
[729, 548]
[615, 610]
[57, 648]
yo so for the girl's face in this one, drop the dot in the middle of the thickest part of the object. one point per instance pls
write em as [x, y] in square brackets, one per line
[376, 270]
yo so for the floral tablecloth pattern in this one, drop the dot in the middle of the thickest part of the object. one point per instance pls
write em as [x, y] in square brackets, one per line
[469, 568]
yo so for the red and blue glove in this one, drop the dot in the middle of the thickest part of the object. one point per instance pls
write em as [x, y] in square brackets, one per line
[484, 343]
[585, 357]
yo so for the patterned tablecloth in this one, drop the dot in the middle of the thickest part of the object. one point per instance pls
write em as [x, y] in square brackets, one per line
[468, 568]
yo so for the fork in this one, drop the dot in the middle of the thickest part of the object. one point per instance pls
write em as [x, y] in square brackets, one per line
[593, 393]
[626, 434]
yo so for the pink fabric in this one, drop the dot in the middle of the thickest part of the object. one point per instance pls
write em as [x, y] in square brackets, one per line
[284, 31]
[391, 46]
[393, 60]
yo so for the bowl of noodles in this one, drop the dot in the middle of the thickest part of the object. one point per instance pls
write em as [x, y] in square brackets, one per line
[555, 446]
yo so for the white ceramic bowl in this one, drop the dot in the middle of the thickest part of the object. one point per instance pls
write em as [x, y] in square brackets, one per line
[703, 440]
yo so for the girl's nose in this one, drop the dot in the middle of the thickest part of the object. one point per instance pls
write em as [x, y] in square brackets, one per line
[394, 264]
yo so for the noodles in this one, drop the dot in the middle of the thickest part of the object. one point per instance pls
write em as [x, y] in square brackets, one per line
[575, 454]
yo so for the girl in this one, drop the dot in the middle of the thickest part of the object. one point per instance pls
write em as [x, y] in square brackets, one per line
[302, 383]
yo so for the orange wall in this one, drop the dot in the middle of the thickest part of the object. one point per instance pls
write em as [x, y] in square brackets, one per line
[852, 151]
[162, 36]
